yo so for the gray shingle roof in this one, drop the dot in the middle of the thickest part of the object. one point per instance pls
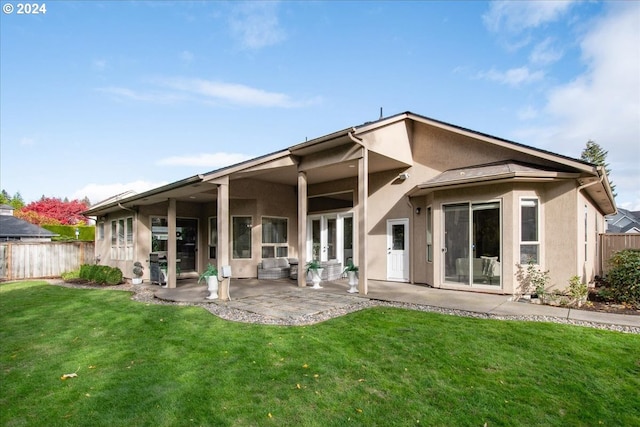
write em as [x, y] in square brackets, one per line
[13, 227]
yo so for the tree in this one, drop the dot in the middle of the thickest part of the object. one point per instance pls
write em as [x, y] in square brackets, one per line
[16, 201]
[595, 154]
[52, 211]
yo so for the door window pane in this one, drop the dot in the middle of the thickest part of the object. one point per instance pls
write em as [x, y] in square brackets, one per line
[397, 233]
[241, 236]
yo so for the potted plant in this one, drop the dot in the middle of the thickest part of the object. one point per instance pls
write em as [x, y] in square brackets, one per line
[211, 277]
[138, 272]
[352, 274]
[314, 268]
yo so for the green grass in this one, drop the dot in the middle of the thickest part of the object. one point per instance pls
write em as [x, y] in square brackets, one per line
[157, 365]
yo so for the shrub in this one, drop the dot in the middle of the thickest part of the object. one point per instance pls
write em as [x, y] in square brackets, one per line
[578, 291]
[624, 276]
[70, 275]
[101, 274]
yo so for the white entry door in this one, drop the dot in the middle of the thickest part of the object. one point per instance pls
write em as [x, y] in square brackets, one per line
[398, 250]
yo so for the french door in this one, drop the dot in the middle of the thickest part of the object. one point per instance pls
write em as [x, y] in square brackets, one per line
[472, 244]
[330, 237]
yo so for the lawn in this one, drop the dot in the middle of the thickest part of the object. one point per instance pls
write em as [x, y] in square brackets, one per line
[158, 365]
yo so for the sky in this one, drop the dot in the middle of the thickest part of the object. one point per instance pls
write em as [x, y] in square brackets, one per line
[101, 97]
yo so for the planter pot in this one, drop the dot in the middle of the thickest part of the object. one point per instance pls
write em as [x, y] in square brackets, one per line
[353, 282]
[137, 280]
[316, 278]
[212, 287]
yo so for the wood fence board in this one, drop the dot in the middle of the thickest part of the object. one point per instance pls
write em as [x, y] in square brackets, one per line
[36, 260]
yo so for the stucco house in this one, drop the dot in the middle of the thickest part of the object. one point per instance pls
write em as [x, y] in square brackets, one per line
[405, 198]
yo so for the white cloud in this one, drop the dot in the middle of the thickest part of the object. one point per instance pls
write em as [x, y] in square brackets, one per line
[186, 56]
[255, 24]
[516, 16]
[178, 89]
[99, 64]
[527, 113]
[27, 142]
[603, 103]
[207, 160]
[545, 53]
[160, 97]
[99, 192]
[234, 93]
[512, 77]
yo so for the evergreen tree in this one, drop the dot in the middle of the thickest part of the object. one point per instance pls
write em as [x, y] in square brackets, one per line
[17, 201]
[595, 154]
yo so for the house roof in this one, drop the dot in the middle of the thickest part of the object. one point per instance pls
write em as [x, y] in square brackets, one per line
[280, 166]
[498, 171]
[13, 227]
[624, 221]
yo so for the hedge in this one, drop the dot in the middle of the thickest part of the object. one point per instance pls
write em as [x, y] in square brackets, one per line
[68, 232]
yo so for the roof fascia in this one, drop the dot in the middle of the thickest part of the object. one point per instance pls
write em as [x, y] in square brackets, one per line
[239, 167]
[422, 189]
[130, 199]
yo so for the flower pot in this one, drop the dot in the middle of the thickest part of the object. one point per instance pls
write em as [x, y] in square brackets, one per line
[316, 277]
[353, 282]
[212, 287]
[137, 280]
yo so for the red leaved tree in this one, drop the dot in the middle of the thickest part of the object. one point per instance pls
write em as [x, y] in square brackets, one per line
[52, 211]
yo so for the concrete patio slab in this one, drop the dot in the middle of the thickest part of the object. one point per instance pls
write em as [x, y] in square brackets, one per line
[283, 299]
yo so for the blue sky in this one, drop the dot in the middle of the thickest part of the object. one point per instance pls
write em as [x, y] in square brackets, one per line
[97, 98]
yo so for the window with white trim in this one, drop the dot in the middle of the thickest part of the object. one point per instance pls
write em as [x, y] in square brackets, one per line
[100, 230]
[122, 239]
[429, 235]
[275, 241]
[529, 231]
[213, 237]
[241, 237]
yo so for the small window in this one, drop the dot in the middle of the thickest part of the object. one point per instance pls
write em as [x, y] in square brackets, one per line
[529, 231]
[429, 235]
[275, 237]
[242, 237]
[213, 237]
[100, 231]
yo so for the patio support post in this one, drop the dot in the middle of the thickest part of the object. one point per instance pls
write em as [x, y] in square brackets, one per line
[171, 244]
[363, 195]
[302, 228]
[223, 236]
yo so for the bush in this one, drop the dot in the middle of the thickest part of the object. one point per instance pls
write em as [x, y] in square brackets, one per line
[101, 274]
[624, 277]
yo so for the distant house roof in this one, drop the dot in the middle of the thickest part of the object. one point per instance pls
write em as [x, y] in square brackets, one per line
[624, 221]
[12, 228]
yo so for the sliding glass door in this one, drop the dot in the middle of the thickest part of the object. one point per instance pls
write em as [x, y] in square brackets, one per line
[472, 244]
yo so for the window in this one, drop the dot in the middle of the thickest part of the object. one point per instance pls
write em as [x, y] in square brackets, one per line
[159, 234]
[100, 230]
[122, 239]
[241, 236]
[586, 232]
[274, 237]
[529, 231]
[213, 237]
[429, 235]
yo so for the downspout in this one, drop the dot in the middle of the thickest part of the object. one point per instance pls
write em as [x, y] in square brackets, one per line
[580, 188]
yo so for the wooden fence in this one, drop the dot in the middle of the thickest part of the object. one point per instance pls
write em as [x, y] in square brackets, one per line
[20, 260]
[613, 242]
